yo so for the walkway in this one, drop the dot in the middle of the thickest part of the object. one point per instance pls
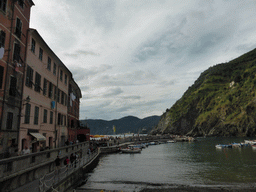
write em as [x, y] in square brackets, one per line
[49, 180]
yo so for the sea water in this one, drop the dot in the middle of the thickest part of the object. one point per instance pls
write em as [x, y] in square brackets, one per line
[196, 163]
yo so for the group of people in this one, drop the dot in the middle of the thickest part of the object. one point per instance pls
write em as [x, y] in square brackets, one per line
[71, 142]
[72, 160]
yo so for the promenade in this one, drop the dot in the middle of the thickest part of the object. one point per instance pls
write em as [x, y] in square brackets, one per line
[52, 179]
[38, 171]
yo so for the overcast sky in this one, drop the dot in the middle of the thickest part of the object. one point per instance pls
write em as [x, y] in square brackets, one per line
[138, 57]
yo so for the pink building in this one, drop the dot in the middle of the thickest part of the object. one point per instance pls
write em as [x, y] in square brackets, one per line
[45, 97]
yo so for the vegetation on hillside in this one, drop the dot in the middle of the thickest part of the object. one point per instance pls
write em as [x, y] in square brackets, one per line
[220, 102]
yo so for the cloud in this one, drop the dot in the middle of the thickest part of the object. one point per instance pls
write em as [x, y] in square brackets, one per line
[139, 57]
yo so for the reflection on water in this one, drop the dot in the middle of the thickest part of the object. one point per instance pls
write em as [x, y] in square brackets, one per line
[196, 163]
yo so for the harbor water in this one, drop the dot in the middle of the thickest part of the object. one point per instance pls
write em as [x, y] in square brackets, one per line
[196, 163]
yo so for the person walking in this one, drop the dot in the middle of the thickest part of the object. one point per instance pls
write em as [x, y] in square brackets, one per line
[57, 163]
[66, 161]
[72, 159]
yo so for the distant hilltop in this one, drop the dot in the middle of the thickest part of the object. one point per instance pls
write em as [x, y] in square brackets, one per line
[221, 102]
[124, 125]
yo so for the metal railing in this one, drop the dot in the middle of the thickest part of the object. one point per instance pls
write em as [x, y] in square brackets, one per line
[48, 181]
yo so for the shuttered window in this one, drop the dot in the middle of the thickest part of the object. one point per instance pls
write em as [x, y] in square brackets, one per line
[45, 87]
[18, 28]
[16, 53]
[38, 82]
[36, 115]
[1, 76]
[29, 77]
[45, 116]
[13, 84]
[9, 120]
[27, 113]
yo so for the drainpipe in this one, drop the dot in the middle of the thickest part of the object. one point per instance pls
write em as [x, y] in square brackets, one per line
[56, 107]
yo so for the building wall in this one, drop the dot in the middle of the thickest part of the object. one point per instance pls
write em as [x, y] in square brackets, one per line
[12, 65]
[56, 131]
[73, 110]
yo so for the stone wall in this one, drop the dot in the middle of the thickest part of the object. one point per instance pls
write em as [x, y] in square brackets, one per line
[20, 170]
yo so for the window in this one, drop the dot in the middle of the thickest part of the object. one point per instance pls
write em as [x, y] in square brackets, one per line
[16, 52]
[9, 120]
[33, 45]
[45, 87]
[1, 76]
[54, 68]
[66, 79]
[21, 3]
[59, 119]
[18, 28]
[36, 115]
[50, 90]
[55, 93]
[27, 113]
[45, 116]
[38, 82]
[58, 96]
[29, 77]
[65, 120]
[2, 38]
[65, 99]
[51, 117]
[3, 5]
[41, 54]
[49, 64]
[62, 97]
[61, 74]
[13, 84]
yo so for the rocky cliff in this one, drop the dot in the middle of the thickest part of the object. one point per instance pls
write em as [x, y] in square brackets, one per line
[221, 102]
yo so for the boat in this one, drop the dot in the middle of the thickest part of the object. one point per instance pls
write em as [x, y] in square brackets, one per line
[131, 150]
[235, 145]
[251, 142]
[245, 144]
[254, 146]
[221, 146]
[140, 146]
[171, 141]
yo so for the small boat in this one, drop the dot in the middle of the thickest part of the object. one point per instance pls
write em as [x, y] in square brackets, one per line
[131, 150]
[251, 142]
[140, 146]
[171, 141]
[245, 144]
[235, 145]
[254, 146]
[221, 146]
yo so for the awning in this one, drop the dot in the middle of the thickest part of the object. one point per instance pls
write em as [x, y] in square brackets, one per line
[38, 136]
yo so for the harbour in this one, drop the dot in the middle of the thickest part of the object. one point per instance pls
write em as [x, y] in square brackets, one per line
[173, 165]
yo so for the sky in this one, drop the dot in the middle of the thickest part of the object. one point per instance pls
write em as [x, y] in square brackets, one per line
[138, 57]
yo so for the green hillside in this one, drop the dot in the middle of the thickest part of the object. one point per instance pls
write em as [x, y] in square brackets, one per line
[221, 102]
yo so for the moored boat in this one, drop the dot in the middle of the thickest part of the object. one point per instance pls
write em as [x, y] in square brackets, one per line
[221, 146]
[251, 142]
[131, 150]
[235, 145]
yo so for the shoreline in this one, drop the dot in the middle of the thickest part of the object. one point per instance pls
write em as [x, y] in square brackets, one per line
[182, 188]
[200, 189]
